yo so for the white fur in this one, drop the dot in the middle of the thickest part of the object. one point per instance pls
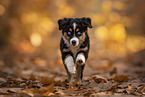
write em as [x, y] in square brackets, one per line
[70, 64]
[80, 57]
[76, 39]
[74, 26]
[65, 40]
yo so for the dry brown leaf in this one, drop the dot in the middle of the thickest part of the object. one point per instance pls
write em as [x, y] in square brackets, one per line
[99, 79]
[25, 77]
[22, 85]
[58, 83]
[75, 91]
[49, 89]
[26, 92]
[88, 94]
[142, 89]
[121, 78]
[75, 83]
[37, 91]
[33, 78]
[47, 81]
[46, 91]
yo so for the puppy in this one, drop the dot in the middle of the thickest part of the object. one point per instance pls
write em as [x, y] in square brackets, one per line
[74, 45]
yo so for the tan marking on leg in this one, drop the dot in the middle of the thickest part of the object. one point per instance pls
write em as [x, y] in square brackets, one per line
[66, 50]
[83, 49]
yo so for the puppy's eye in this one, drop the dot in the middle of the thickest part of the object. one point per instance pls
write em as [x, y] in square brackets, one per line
[79, 33]
[68, 33]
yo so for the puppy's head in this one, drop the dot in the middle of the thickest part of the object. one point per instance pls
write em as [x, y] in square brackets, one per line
[74, 29]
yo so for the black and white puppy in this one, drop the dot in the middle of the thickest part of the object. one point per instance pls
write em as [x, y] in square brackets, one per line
[74, 45]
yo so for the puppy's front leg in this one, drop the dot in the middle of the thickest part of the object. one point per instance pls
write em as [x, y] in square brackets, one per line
[70, 66]
[80, 61]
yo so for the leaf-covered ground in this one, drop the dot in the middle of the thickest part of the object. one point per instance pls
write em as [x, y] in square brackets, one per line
[35, 75]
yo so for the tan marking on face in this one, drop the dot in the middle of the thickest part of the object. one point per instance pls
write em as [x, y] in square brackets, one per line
[82, 37]
[66, 37]
[77, 29]
[70, 29]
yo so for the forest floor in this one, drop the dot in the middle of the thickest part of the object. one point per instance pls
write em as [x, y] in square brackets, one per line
[35, 75]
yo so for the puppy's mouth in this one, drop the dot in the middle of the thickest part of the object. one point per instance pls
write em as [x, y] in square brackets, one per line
[74, 41]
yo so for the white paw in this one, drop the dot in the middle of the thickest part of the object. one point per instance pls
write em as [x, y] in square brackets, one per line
[80, 59]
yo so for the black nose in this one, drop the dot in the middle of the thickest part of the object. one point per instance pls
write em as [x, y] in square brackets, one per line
[74, 42]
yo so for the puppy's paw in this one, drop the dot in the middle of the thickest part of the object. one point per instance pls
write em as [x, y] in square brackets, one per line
[79, 61]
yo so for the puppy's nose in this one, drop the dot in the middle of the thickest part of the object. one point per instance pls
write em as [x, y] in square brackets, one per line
[74, 42]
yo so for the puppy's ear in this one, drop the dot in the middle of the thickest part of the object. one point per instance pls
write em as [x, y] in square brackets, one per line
[86, 22]
[62, 23]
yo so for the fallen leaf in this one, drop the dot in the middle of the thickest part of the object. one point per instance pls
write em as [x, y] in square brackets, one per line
[75, 91]
[142, 90]
[25, 93]
[47, 81]
[99, 79]
[49, 89]
[37, 91]
[11, 91]
[75, 83]
[58, 83]
[25, 77]
[60, 92]
[88, 94]
[22, 85]
[3, 92]
[103, 87]
[121, 78]
[2, 80]
[33, 78]
[120, 90]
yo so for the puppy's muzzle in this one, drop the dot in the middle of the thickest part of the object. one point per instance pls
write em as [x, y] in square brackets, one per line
[74, 41]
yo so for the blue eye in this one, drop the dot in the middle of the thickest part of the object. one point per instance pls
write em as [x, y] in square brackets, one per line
[68, 33]
[79, 33]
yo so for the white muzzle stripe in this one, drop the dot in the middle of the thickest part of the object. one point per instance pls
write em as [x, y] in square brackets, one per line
[75, 39]
[74, 26]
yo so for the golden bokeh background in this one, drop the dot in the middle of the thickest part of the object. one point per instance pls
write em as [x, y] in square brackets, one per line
[30, 26]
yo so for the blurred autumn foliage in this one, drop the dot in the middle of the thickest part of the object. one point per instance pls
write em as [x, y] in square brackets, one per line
[31, 26]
